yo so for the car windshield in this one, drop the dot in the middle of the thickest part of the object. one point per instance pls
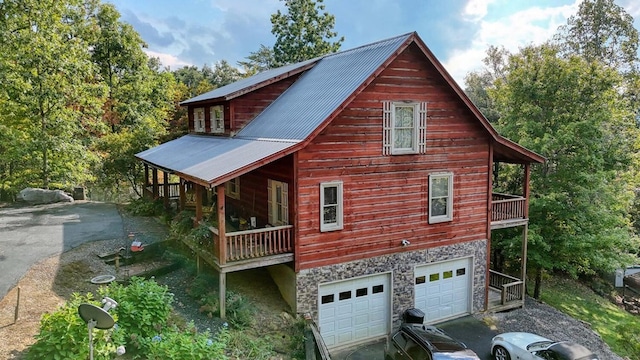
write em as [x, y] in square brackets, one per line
[439, 340]
[539, 345]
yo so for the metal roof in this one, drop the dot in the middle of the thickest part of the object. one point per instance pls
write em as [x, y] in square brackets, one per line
[209, 158]
[307, 103]
[248, 83]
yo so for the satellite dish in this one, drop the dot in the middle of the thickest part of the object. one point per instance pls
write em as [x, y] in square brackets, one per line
[97, 317]
[101, 317]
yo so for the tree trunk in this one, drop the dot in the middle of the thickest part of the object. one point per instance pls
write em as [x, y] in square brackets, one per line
[538, 283]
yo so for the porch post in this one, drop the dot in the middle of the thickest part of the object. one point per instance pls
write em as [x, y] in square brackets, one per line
[198, 203]
[222, 238]
[155, 183]
[165, 188]
[145, 192]
[222, 289]
[523, 272]
[182, 193]
[525, 189]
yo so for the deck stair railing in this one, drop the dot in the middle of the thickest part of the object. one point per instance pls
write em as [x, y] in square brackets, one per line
[511, 288]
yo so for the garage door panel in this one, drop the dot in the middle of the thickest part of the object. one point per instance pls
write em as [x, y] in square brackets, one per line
[361, 310]
[443, 290]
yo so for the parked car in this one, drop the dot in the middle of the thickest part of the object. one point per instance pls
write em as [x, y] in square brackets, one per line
[527, 346]
[423, 342]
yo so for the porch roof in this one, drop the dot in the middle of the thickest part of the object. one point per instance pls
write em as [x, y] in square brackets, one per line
[212, 159]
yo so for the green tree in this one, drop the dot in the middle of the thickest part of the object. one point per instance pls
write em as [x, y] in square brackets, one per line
[601, 31]
[304, 32]
[50, 93]
[139, 102]
[259, 61]
[570, 111]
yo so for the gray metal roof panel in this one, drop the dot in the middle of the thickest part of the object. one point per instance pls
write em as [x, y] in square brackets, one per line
[210, 157]
[296, 113]
[247, 82]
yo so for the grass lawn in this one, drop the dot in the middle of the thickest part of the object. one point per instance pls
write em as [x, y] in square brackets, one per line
[618, 328]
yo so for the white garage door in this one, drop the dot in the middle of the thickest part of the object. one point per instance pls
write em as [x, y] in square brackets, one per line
[443, 290]
[354, 310]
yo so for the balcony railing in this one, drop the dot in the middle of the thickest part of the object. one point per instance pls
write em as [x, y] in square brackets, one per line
[511, 288]
[507, 207]
[255, 243]
[174, 190]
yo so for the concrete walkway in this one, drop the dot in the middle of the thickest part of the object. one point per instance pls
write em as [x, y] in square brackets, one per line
[29, 234]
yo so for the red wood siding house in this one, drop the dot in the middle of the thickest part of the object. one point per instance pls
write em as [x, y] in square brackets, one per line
[361, 180]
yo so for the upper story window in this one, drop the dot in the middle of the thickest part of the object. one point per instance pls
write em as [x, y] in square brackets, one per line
[216, 115]
[440, 197]
[232, 188]
[405, 128]
[331, 206]
[198, 120]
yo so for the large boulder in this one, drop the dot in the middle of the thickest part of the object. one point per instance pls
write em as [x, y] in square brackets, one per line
[43, 196]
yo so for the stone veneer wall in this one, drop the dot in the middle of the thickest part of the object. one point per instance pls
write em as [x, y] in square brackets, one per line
[401, 265]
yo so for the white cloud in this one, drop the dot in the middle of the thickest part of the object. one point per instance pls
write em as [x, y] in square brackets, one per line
[533, 25]
[167, 60]
[476, 9]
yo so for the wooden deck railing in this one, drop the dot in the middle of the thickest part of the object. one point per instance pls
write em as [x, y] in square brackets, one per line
[507, 207]
[174, 190]
[256, 243]
[511, 288]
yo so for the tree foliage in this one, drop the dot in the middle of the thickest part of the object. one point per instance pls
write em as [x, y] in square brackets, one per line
[304, 32]
[570, 111]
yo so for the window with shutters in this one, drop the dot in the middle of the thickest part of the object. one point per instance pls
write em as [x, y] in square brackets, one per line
[198, 120]
[216, 116]
[277, 198]
[404, 127]
[331, 206]
[440, 197]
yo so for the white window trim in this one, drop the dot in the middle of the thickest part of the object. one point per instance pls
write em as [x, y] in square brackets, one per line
[339, 224]
[198, 120]
[229, 190]
[419, 128]
[212, 119]
[449, 214]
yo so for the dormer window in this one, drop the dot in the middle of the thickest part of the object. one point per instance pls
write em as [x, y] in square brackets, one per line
[198, 120]
[216, 114]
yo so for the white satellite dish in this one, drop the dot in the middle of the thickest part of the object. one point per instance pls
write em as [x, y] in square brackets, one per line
[97, 317]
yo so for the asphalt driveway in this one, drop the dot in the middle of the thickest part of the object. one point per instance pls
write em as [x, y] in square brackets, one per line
[29, 234]
[471, 331]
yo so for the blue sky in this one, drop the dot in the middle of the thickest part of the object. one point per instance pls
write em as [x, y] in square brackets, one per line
[198, 32]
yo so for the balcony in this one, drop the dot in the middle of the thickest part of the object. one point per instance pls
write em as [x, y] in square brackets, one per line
[247, 249]
[508, 211]
[505, 292]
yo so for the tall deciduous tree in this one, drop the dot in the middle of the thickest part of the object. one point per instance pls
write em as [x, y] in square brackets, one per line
[570, 111]
[305, 31]
[50, 93]
[139, 102]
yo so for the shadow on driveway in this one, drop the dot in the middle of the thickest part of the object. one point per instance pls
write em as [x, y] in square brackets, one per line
[471, 331]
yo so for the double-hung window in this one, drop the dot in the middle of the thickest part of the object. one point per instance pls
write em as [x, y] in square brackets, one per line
[404, 128]
[278, 200]
[331, 206]
[198, 120]
[440, 197]
[216, 116]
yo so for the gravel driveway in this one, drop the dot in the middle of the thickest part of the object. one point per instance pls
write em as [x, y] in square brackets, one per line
[546, 321]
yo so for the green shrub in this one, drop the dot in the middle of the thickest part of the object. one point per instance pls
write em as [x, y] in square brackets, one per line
[174, 344]
[244, 346]
[145, 207]
[183, 222]
[64, 335]
[143, 307]
[202, 236]
[201, 286]
[240, 311]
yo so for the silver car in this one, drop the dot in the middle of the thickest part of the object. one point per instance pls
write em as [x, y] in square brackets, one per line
[527, 346]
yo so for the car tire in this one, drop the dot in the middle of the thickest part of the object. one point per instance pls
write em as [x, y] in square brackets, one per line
[500, 353]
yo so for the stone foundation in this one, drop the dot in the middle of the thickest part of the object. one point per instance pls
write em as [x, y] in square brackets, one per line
[402, 267]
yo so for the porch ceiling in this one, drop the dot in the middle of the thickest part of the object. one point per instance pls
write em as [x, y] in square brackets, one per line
[212, 159]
